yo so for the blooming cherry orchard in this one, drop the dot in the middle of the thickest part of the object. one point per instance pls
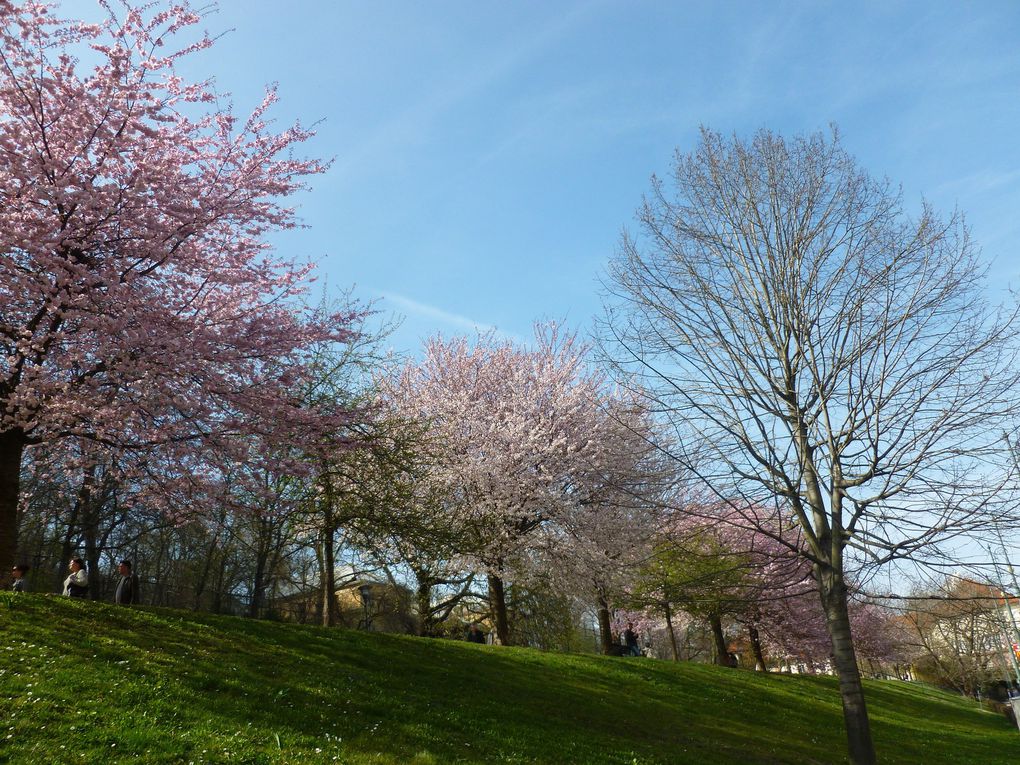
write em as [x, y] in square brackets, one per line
[139, 303]
[515, 427]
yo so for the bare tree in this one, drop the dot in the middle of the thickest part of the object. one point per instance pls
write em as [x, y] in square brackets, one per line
[820, 350]
[959, 634]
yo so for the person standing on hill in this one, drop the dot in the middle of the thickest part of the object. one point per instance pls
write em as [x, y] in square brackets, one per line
[475, 635]
[19, 584]
[630, 641]
[77, 583]
[127, 588]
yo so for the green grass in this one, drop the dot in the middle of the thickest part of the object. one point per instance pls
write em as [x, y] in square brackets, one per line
[87, 682]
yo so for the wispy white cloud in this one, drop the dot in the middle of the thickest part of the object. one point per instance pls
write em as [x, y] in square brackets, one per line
[444, 317]
[984, 181]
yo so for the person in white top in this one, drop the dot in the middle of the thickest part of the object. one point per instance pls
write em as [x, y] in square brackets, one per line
[77, 583]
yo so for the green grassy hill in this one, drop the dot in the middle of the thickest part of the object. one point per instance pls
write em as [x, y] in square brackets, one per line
[87, 682]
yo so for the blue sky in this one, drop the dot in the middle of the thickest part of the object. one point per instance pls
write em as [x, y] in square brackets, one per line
[488, 155]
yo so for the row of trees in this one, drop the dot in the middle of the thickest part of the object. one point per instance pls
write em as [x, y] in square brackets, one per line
[799, 381]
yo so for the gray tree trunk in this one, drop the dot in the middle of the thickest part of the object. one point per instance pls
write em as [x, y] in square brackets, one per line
[424, 598]
[497, 601]
[844, 658]
[756, 649]
[605, 628]
[722, 654]
[672, 633]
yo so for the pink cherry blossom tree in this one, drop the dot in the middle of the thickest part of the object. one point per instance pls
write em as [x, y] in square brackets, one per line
[772, 593]
[594, 547]
[514, 425]
[717, 563]
[139, 302]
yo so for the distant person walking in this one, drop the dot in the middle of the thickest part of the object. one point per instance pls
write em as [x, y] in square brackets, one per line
[630, 641]
[19, 584]
[127, 588]
[77, 583]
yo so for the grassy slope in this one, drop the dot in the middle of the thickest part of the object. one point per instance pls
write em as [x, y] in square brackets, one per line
[87, 682]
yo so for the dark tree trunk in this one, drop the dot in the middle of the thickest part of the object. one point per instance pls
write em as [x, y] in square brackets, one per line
[93, 552]
[330, 607]
[221, 575]
[67, 547]
[158, 574]
[326, 556]
[722, 654]
[605, 628]
[844, 658]
[759, 654]
[672, 632]
[12, 448]
[497, 601]
[269, 588]
[90, 520]
[258, 586]
[203, 578]
[106, 499]
[263, 552]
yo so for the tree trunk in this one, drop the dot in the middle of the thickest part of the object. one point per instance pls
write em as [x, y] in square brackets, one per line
[844, 658]
[759, 655]
[203, 578]
[672, 632]
[605, 628]
[263, 551]
[722, 654]
[497, 600]
[158, 574]
[424, 596]
[327, 578]
[258, 586]
[92, 555]
[327, 561]
[221, 575]
[90, 520]
[12, 447]
[66, 548]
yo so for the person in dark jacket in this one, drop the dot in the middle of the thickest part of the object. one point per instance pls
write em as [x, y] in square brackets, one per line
[127, 587]
[20, 584]
[630, 641]
[475, 635]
